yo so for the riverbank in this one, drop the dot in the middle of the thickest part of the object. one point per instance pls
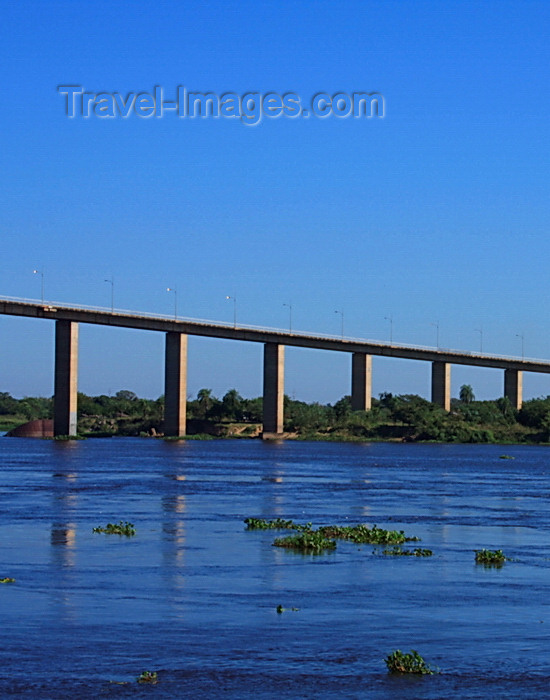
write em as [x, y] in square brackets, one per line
[405, 418]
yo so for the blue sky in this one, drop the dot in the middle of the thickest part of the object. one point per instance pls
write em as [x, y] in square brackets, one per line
[437, 213]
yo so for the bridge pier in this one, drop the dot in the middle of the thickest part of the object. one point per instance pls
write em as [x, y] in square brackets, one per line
[66, 378]
[361, 381]
[175, 384]
[441, 384]
[513, 387]
[274, 388]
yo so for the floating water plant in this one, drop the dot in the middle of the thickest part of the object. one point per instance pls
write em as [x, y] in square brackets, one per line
[362, 534]
[506, 457]
[261, 524]
[309, 542]
[277, 524]
[399, 662]
[489, 557]
[123, 528]
[315, 541]
[148, 677]
[7, 579]
[280, 609]
[396, 551]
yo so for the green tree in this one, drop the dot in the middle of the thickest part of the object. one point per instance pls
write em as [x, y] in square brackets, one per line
[232, 405]
[8, 405]
[205, 401]
[342, 408]
[466, 393]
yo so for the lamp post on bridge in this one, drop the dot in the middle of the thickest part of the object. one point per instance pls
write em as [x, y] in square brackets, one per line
[342, 315]
[436, 324]
[390, 319]
[175, 290]
[234, 309]
[41, 273]
[289, 306]
[480, 331]
[112, 283]
[521, 335]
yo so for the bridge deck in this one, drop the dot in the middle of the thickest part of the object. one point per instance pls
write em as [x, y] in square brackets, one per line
[216, 330]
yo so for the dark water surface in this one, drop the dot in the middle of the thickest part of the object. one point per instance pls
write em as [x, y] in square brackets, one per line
[193, 595]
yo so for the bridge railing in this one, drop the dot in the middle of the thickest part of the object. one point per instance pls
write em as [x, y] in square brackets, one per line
[248, 326]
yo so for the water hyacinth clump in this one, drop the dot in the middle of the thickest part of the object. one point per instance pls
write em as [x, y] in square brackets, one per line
[489, 557]
[281, 610]
[277, 524]
[148, 677]
[399, 662]
[309, 542]
[7, 579]
[122, 528]
[362, 534]
[396, 551]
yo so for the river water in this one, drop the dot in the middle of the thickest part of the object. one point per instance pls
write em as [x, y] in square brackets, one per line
[194, 595]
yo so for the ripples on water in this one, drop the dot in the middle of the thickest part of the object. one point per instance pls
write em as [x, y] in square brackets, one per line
[194, 595]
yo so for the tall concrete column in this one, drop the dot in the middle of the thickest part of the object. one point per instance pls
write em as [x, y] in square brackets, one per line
[513, 387]
[361, 381]
[66, 378]
[274, 388]
[175, 384]
[441, 384]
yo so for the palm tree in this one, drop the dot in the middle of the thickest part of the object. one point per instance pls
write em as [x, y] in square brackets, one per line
[205, 400]
[466, 393]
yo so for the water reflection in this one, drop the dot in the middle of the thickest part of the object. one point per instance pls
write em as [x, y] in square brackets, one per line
[173, 547]
[63, 542]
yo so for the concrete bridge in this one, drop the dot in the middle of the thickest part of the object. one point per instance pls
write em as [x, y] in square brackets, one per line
[67, 321]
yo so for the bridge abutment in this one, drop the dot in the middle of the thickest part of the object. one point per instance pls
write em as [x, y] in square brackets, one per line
[441, 384]
[66, 378]
[513, 387]
[175, 384]
[274, 388]
[361, 381]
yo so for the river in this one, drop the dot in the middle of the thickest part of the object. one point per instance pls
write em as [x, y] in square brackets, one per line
[194, 595]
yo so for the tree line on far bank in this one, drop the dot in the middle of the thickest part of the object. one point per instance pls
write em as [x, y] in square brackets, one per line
[406, 417]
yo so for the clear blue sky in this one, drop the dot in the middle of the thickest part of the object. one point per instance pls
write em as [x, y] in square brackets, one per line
[437, 213]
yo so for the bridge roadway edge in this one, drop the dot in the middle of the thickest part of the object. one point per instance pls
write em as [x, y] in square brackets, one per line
[107, 318]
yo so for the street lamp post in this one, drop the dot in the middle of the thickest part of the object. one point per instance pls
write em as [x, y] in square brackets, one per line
[234, 309]
[342, 315]
[480, 331]
[289, 306]
[112, 283]
[436, 324]
[521, 335]
[175, 290]
[41, 273]
[390, 319]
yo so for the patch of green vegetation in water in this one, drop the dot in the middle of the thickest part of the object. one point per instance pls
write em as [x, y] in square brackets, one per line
[396, 551]
[309, 542]
[489, 557]
[362, 534]
[148, 677]
[122, 528]
[400, 662]
[280, 609]
[277, 524]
